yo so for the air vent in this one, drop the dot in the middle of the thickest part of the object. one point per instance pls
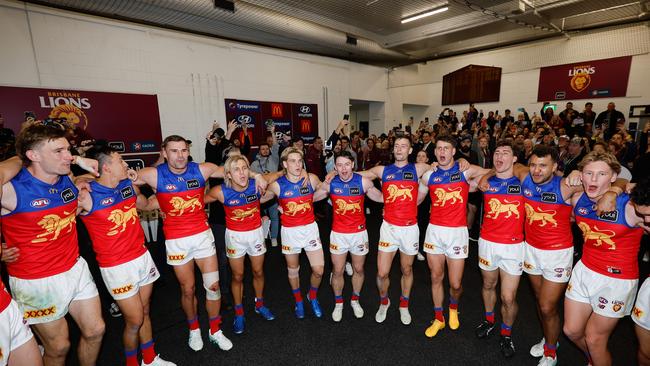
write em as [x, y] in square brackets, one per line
[225, 5]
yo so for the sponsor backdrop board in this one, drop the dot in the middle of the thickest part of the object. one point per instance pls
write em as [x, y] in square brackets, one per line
[290, 119]
[130, 122]
[585, 80]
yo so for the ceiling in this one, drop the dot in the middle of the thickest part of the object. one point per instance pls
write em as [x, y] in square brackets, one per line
[324, 27]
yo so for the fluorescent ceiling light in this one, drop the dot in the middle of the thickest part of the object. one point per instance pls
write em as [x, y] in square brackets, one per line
[425, 14]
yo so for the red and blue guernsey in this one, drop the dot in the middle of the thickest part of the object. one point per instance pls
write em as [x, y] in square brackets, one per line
[43, 227]
[400, 189]
[448, 190]
[610, 244]
[297, 203]
[113, 224]
[180, 197]
[503, 204]
[242, 208]
[347, 201]
[5, 298]
[548, 217]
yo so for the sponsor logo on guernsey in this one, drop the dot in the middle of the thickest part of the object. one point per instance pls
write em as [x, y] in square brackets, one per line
[192, 183]
[68, 195]
[233, 202]
[251, 198]
[40, 202]
[390, 176]
[126, 192]
[609, 216]
[107, 201]
[528, 192]
[437, 179]
[493, 189]
[304, 190]
[549, 197]
[455, 177]
[408, 176]
[514, 189]
[170, 187]
[614, 270]
[355, 190]
[338, 190]
[583, 211]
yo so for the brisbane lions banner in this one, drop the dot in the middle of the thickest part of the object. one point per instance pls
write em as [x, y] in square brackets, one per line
[129, 122]
[585, 80]
[289, 119]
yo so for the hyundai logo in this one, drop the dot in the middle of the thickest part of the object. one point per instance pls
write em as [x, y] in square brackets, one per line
[244, 119]
[305, 109]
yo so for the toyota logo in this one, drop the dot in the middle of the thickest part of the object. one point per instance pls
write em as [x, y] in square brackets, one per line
[305, 109]
[244, 119]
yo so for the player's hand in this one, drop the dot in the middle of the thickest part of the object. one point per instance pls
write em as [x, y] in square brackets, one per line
[305, 178]
[330, 176]
[9, 255]
[483, 184]
[89, 165]
[606, 203]
[132, 174]
[463, 164]
[629, 187]
[260, 184]
[574, 179]
[433, 166]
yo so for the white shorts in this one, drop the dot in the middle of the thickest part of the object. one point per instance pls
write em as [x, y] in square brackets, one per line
[240, 243]
[355, 243]
[508, 257]
[182, 250]
[553, 265]
[641, 311]
[297, 238]
[453, 242]
[125, 280]
[47, 299]
[610, 297]
[14, 332]
[404, 238]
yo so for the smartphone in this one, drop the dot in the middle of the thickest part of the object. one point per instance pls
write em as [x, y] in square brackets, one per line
[346, 117]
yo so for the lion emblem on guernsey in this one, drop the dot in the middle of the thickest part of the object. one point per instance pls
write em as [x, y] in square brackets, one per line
[240, 215]
[294, 208]
[53, 224]
[444, 195]
[342, 207]
[600, 236]
[121, 218]
[497, 207]
[181, 205]
[544, 217]
[395, 192]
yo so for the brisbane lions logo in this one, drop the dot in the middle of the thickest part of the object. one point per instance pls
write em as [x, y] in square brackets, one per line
[342, 207]
[443, 196]
[600, 236]
[294, 208]
[544, 217]
[120, 218]
[240, 215]
[395, 192]
[497, 207]
[53, 224]
[181, 205]
[73, 115]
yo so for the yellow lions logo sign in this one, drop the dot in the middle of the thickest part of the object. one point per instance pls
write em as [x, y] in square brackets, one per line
[180, 205]
[395, 192]
[600, 236]
[73, 115]
[581, 77]
[544, 217]
[240, 214]
[294, 208]
[342, 207]
[53, 224]
[446, 195]
[121, 218]
[497, 207]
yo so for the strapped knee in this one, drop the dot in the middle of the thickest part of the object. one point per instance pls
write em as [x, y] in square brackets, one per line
[209, 279]
[293, 272]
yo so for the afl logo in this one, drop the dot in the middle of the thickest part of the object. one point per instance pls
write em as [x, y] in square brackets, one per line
[233, 202]
[528, 192]
[493, 189]
[390, 176]
[170, 187]
[244, 119]
[338, 190]
[288, 194]
[107, 201]
[40, 202]
[583, 211]
[437, 179]
[305, 109]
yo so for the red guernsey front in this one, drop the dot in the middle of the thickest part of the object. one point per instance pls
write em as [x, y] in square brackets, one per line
[504, 215]
[242, 208]
[347, 202]
[448, 190]
[297, 203]
[548, 217]
[400, 189]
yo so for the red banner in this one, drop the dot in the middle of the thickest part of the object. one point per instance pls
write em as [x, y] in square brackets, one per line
[129, 122]
[585, 80]
[289, 119]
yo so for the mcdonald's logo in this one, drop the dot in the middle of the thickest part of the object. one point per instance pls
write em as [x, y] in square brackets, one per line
[305, 126]
[276, 110]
